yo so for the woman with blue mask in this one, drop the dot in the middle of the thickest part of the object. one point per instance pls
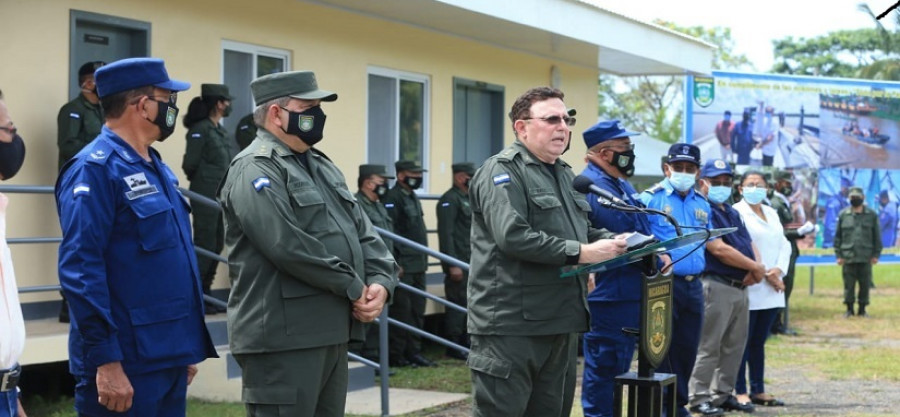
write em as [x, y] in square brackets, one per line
[766, 297]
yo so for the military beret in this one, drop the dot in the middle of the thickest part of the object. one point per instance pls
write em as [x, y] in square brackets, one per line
[411, 166]
[856, 191]
[296, 84]
[131, 73]
[604, 131]
[467, 167]
[215, 90]
[367, 170]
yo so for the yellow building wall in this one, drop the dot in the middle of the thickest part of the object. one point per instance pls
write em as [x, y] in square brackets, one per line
[338, 45]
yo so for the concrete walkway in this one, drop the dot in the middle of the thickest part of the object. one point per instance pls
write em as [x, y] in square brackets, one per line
[402, 401]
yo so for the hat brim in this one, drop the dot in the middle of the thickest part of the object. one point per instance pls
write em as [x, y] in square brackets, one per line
[386, 176]
[677, 158]
[626, 134]
[715, 173]
[174, 85]
[316, 95]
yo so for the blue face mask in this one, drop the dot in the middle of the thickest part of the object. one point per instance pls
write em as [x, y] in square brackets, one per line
[754, 195]
[719, 193]
[682, 181]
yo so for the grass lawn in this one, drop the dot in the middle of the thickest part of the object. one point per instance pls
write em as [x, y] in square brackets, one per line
[832, 347]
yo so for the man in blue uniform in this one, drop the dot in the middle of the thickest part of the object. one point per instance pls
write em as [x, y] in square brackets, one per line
[888, 220]
[833, 207]
[126, 262]
[675, 195]
[742, 142]
[615, 301]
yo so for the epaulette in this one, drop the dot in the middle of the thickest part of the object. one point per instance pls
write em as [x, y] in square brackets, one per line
[507, 154]
[99, 152]
[317, 152]
[655, 188]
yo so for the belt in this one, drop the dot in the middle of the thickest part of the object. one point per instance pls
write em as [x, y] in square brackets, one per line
[722, 280]
[9, 378]
[687, 278]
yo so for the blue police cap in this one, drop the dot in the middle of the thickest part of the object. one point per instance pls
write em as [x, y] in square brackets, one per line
[684, 152]
[604, 131]
[131, 73]
[714, 168]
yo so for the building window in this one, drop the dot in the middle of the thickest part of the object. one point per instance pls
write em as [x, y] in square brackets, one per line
[243, 63]
[398, 117]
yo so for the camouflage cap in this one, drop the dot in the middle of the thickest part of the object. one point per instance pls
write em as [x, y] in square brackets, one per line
[856, 192]
[467, 167]
[296, 84]
[411, 166]
[367, 170]
[784, 176]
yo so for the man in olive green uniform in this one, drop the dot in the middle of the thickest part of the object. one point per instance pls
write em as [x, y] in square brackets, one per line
[245, 131]
[206, 158]
[372, 184]
[857, 245]
[454, 227]
[80, 120]
[77, 124]
[782, 190]
[405, 210]
[307, 269]
[527, 223]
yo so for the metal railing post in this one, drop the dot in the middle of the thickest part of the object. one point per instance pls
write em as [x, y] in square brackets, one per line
[383, 355]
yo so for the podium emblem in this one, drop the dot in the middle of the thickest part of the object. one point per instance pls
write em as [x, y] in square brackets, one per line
[656, 320]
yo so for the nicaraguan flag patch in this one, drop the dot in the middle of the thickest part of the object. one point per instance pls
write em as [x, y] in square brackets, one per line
[389, 205]
[445, 205]
[501, 179]
[196, 135]
[75, 115]
[260, 183]
[81, 189]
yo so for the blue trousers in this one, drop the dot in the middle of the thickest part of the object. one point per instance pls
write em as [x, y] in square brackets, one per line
[9, 406]
[687, 322]
[156, 394]
[755, 352]
[607, 353]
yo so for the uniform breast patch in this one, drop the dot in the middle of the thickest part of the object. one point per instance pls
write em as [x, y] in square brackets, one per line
[260, 183]
[139, 186]
[501, 179]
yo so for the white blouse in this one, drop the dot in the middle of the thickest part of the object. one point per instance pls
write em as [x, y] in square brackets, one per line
[768, 236]
[12, 327]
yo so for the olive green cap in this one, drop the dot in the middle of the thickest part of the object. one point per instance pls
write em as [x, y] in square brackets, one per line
[411, 166]
[215, 90]
[784, 176]
[367, 170]
[297, 84]
[467, 167]
[856, 191]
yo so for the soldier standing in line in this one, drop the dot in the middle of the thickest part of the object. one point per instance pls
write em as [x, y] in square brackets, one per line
[454, 227]
[857, 245]
[245, 131]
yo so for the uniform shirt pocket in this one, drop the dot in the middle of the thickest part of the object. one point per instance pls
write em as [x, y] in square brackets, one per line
[156, 223]
[159, 329]
[310, 210]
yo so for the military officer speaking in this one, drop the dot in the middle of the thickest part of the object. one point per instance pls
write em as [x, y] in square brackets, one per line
[527, 223]
[126, 260]
[857, 245]
[306, 266]
[454, 227]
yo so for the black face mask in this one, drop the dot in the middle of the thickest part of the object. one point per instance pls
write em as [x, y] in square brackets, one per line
[787, 190]
[468, 180]
[12, 155]
[307, 125]
[227, 111]
[381, 190]
[856, 202]
[413, 183]
[624, 162]
[166, 115]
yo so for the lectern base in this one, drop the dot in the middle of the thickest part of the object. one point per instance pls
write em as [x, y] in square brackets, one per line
[645, 394]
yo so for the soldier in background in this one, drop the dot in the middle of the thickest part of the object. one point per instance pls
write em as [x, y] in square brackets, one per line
[454, 227]
[245, 131]
[857, 245]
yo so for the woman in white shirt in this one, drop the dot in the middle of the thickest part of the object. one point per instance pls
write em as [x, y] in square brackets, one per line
[766, 297]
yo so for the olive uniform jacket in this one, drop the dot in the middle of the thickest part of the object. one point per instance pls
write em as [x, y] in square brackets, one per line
[300, 250]
[378, 216]
[206, 156]
[454, 225]
[77, 124]
[858, 236]
[526, 223]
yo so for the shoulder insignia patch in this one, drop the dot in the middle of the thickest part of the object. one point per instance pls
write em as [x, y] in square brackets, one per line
[445, 204]
[81, 189]
[75, 115]
[196, 135]
[98, 154]
[388, 205]
[501, 179]
[260, 183]
[654, 188]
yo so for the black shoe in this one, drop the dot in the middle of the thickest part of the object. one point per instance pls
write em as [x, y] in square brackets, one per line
[420, 360]
[789, 332]
[401, 363]
[863, 314]
[732, 404]
[706, 409]
[456, 354]
[848, 313]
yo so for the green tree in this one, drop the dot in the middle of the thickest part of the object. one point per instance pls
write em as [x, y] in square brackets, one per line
[836, 54]
[887, 68]
[654, 104]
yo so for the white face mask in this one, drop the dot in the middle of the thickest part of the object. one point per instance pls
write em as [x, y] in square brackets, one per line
[682, 181]
[754, 195]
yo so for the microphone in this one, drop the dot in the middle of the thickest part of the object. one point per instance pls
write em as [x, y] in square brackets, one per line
[584, 185]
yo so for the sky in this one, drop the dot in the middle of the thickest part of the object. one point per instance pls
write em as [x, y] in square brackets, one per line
[755, 24]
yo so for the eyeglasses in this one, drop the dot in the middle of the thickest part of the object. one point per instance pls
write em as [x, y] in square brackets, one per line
[687, 168]
[554, 120]
[628, 147]
[172, 98]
